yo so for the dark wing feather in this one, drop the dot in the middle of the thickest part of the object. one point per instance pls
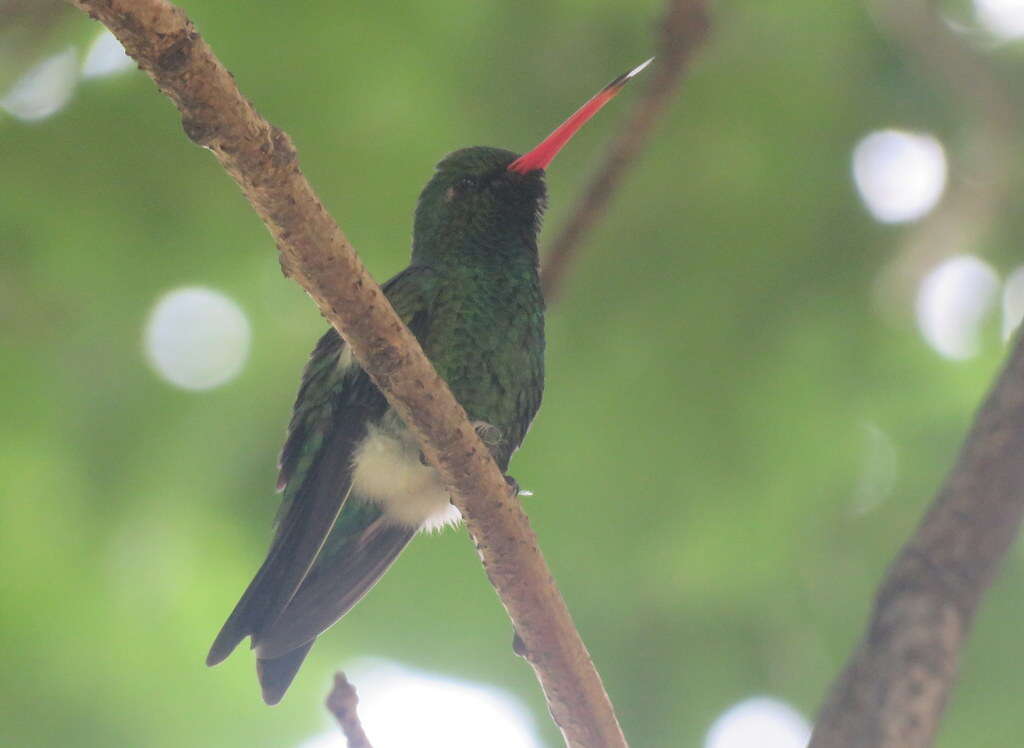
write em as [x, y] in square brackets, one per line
[330, 591]
[300, 534]
[332, 409]
[358, 552]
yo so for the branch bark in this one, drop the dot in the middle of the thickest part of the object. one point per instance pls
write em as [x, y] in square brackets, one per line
[342, 702]
[314, 251]
[895, 686]
[683, 28]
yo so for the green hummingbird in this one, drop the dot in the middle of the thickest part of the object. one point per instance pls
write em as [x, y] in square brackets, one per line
[356, 487]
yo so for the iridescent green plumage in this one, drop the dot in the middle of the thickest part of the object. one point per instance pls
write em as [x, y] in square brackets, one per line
[355, 488]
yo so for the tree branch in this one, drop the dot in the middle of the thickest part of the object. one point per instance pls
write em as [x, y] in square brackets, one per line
[342, 702]
[683, 28]
[315, 252]
[895, 685]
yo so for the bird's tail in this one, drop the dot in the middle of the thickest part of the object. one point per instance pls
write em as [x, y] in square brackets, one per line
[311, 513]
[277, 674]
[359, 550]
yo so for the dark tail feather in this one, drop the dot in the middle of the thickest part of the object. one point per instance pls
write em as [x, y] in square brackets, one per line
[272, 587]
[300, 535]
[277, 674]
[338, 581]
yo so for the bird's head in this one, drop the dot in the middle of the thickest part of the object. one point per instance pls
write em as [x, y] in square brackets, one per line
[474, 201]
[481, 200]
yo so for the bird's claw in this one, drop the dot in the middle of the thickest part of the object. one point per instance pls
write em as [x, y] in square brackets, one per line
[518, 645]
[514, 485]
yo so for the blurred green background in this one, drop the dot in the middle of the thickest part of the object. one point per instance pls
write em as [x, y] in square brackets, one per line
[759, 372]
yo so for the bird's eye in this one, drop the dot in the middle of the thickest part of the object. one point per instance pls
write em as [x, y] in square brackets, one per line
[462, 186]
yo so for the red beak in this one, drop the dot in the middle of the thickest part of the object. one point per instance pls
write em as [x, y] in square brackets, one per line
[548, 148]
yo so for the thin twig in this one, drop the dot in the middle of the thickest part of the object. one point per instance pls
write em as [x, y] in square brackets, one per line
[342, 702]
[315, 252]
[683, 28]
[895, 685]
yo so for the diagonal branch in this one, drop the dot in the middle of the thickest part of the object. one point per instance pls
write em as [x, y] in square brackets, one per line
[683, 28]
[895, 685]
[315, 252]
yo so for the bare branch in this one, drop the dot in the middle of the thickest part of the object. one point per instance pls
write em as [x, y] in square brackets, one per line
[315, 252]
[683, 28]
[895, 685]
[342, 702]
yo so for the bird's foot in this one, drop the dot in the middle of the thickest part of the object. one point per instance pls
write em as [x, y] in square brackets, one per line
[513, 484]
[519, 646]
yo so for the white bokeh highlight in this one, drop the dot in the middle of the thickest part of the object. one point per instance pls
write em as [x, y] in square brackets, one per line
[1002, 18]
[105, 57]
[759, 722]
[44, 89]
[899, 175]
[400, 707]
[197, 338]
[953, 301]
[1013, 302]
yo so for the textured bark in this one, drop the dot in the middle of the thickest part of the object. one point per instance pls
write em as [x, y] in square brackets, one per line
[314, 251]
[895, 686]
[683, 29]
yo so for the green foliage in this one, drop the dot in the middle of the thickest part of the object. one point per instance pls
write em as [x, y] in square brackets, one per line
[716, 367]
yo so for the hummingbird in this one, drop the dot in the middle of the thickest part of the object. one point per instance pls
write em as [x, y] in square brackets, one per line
[356, 487]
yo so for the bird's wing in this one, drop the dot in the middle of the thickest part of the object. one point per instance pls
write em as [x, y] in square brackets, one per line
[359, 550]
[336, 400]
